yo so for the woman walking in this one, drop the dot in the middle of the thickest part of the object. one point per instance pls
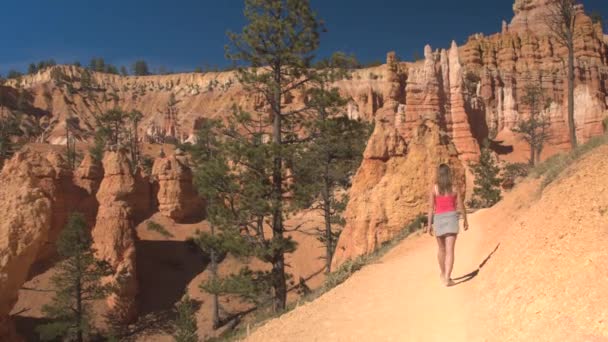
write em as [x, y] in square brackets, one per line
[443, 217]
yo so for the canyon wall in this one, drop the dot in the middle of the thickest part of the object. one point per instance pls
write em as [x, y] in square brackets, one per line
[440, 110]
[38, 191]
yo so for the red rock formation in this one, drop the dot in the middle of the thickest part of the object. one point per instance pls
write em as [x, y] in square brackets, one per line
[87, 179]
[26, 219]
[471, 93]
[527, 53]
[176, 196]
[114, 233]
[387, 194]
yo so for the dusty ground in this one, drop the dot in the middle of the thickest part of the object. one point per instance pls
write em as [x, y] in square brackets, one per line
[533, 268]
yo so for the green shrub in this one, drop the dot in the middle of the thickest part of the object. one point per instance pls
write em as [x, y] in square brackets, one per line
[486, 192]
[512, 171]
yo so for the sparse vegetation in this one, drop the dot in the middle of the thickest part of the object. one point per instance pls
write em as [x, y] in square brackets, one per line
[351, 266]
[13, 74]
[335, 278]
[9, 127]
[512, 171]
[140, 68]
[40, 66]
[553, 167]
[155, 227]
[185, 328]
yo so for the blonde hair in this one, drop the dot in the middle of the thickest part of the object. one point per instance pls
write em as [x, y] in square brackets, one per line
[444, 180]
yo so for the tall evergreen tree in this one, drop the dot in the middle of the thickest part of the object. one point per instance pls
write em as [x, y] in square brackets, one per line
[486, 192]
[333, 153]
[77, 283]
[140, 68]
[134, 117]
[277, 47]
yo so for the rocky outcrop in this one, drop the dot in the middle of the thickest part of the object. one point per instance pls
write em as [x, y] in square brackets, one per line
[387, 194]
[55, 179]
[114, 233]
[27, 216]
[501, 65]
[176, 196]
[87, 179]
[441, 109]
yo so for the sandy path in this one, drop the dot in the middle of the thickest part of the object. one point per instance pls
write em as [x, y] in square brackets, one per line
[398, 299]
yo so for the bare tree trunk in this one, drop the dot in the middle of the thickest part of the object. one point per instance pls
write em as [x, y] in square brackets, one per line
[79, 335]
[327, 216]
[215, 303]
[278, 265]
[571, 123]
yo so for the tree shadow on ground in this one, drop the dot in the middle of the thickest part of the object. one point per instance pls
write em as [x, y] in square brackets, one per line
[165, 268]
[473, 274]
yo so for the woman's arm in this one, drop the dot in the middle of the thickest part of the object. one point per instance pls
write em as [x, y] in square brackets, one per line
[463, 210]
[429, 228]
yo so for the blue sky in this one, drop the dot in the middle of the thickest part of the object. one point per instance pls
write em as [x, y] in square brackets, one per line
[183, 34]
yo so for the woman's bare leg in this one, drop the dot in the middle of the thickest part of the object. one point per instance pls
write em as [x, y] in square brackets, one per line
[441, 255]
[450, 246]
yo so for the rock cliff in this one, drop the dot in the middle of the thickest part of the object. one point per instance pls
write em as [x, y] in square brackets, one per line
[23, 232]
[472, 92]
[114, 232]
[176, 196]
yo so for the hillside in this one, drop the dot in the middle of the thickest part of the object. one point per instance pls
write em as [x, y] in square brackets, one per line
[439, 109]
[532, 268]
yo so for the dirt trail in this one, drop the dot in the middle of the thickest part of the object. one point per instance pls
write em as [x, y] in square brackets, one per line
[398, 299]
[537, 263]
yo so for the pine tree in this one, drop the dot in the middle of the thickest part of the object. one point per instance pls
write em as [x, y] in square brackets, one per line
[140, 68]
[334, 153]
[276, 48]
[134, 118]
[77, 282]
[233, 173]
[486, 192]
[185, 323]
[8, 128]
[561, 22]
[534, 129]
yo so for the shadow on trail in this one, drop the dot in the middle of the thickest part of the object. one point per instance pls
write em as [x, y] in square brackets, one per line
[474, 274]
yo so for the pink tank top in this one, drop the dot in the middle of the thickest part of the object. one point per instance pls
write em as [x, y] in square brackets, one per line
[445, 203]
